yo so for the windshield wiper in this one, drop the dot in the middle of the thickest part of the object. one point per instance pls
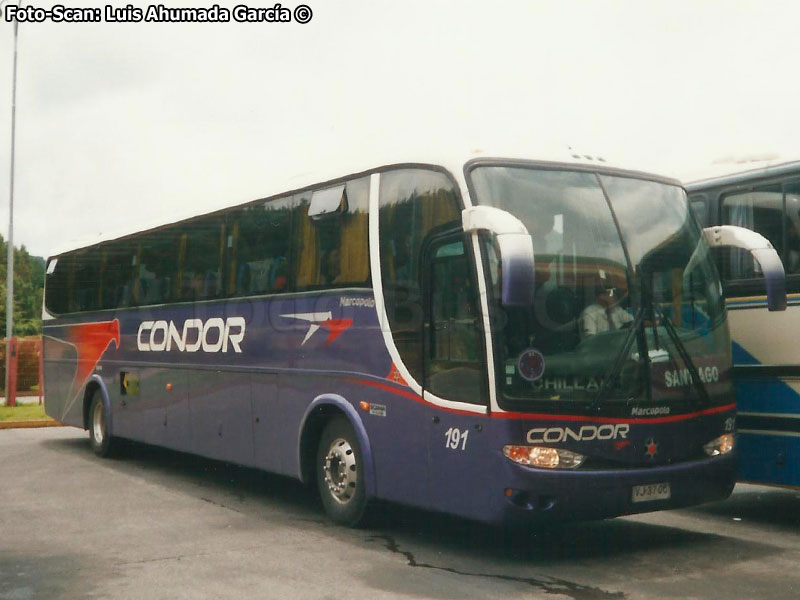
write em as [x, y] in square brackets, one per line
[685, 357]
[648, 305]
[620, 359]
[655, 311]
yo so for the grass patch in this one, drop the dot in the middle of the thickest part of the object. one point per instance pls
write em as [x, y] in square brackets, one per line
[25, 412]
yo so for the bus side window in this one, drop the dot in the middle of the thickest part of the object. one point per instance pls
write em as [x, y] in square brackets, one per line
[116, 275]
[86, 280]
[791, 258]
[201, 256]
[699, 205]
[158, 266]
[57, 287]
[760, 210]
[258, 242]
[413, 202]
[333, 251]
[453, 368]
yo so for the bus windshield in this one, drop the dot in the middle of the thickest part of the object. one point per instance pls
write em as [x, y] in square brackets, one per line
[627, 306]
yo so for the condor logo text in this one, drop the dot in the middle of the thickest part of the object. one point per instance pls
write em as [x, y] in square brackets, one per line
[214, 335]
[587, 433]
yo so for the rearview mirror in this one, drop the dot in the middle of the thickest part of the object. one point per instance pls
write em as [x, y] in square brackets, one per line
[517, 268]
[763, 253]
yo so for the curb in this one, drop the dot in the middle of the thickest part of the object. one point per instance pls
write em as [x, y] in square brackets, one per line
[29, 424]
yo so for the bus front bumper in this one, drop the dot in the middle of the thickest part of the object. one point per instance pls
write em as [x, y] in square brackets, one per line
[537, 495]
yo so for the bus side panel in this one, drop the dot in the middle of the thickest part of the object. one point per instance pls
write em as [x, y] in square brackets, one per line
[177, 428]
[465, 452]
[769, 430]
[294, 394]
[60, 364]
[764, 338]
[769, 405]
[244, 402]
[162, 392]
[397, 426]
[127, 410]
[73, 349]
[221, 415]
[767, 458]
[269, 422]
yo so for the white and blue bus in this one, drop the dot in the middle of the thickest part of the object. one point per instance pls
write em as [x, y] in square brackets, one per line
[766, 353]
[498, 338]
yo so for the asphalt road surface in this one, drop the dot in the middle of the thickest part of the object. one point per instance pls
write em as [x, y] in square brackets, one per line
[158, 524]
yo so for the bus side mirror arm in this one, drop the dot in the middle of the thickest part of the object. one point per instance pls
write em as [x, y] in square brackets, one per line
[761, 250]
[517, 275]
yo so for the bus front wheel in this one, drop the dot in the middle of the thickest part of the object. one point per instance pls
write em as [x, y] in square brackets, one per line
[98, 426]
[340, 473]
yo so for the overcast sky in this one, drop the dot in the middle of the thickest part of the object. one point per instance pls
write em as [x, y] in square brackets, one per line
[124, 124]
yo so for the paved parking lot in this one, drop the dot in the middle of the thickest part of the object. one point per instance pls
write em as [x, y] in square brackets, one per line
[158, 524]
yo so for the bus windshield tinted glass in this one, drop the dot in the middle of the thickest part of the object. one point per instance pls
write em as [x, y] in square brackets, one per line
[627, 302]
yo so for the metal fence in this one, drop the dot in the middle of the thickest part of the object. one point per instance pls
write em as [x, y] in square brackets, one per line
[25, 368]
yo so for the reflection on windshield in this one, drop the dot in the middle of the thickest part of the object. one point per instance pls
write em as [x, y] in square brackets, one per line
[627, 303]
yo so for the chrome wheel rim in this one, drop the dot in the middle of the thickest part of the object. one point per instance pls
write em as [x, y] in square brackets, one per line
[98, 423]
[341, 471]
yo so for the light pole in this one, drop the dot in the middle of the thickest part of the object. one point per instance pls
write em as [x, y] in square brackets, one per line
[10, 260]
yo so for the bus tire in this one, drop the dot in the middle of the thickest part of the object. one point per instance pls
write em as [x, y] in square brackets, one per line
[99, 435]
[340, 473]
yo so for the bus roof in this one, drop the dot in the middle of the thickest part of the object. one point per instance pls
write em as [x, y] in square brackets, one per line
[340, 166]
[759, 170]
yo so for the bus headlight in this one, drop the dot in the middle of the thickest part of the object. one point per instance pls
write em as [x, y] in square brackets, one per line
[722, 445]
[545, 458]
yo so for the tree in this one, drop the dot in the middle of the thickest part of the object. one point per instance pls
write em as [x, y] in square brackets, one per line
[28, 289]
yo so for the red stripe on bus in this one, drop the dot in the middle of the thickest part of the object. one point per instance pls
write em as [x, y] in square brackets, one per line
[412, 395]
[550, 417]
[633, 420]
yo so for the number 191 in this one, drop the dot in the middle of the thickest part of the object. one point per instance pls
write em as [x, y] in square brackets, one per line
[455, 438]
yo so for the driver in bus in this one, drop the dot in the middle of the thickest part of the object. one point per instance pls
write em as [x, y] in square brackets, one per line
[606, 313]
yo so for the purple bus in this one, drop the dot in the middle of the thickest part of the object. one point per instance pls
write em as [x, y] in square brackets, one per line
[500, 339]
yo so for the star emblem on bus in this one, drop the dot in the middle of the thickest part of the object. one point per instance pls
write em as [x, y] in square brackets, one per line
[322, 320]
[650, 448]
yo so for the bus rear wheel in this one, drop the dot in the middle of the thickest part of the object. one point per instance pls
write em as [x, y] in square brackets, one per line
[340, 473]
[99, 436]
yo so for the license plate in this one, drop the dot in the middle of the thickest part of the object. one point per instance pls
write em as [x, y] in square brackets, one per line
[651, 491]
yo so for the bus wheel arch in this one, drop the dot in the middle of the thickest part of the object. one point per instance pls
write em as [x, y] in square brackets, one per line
[323, 410]
[97, 416]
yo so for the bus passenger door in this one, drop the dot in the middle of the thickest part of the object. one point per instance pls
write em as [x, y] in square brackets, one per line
[454, 370]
